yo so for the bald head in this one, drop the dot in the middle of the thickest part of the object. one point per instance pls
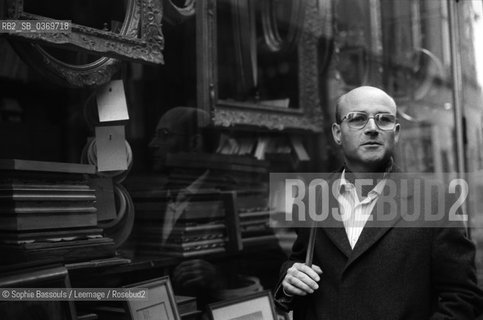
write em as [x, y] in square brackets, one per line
[364, 95]
[178, 130]
[182, 120]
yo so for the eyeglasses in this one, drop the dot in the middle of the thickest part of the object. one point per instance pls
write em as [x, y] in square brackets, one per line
[358, 120]
[164, 132]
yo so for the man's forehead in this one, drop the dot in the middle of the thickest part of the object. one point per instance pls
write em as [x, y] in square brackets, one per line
[367, 98]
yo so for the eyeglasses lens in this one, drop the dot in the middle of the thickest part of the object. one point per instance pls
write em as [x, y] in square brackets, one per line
[358, 120]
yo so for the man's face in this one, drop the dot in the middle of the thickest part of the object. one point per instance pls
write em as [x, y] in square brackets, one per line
[370, 147]
[166, 141]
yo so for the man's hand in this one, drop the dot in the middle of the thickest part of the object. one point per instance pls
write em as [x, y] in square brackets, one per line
[301, 279]
[198, 273]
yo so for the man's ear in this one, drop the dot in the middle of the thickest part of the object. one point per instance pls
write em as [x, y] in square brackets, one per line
[196, 143]
[336, 133]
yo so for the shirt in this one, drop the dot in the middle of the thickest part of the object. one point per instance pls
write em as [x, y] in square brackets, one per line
[355, 212]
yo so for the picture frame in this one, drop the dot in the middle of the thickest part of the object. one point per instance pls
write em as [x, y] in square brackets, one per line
[161, 303]
[270, 113]
[53, 276]
[126, 45]
[257, 306]
[140, 39]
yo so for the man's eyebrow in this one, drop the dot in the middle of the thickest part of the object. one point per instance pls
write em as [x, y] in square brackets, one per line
[375, 112]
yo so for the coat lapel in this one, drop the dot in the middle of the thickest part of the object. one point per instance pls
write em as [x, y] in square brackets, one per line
[334, 228]
[374, 230]
[338, 236]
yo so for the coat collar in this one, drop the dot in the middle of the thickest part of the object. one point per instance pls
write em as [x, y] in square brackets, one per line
[372, 232]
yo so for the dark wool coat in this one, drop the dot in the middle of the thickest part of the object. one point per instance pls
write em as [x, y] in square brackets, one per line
[394, 271]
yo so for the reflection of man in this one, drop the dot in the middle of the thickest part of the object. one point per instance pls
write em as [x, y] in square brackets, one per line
[376, 273]
[177, 131]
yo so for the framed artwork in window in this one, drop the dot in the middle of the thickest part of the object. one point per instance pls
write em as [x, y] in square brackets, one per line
[265, 77]
[161, 303]
[258, 306]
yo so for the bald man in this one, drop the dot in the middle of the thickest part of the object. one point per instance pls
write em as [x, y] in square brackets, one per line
[376, 273]
[178, 131]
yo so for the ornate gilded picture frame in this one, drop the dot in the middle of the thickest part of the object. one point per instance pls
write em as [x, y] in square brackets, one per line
[230, 76]
[139, 39]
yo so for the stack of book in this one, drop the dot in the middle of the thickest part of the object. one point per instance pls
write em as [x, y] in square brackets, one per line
[200, 225]
[47, 211]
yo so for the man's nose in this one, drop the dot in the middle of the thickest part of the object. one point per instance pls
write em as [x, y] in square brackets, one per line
[371, 127]
[154, 143]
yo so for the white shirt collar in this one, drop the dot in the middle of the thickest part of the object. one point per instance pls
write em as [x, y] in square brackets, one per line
[376, 191]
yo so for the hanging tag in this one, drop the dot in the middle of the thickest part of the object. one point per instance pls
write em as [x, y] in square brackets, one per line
[111, 102]
[111, 148]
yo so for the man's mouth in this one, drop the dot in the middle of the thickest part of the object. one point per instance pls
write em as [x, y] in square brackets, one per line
[372, 143]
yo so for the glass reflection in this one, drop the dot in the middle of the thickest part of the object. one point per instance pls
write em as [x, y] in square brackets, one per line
[416, 58]
[257, 45]
[470, 14]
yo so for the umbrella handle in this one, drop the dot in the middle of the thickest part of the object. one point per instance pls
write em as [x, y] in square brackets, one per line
[310, 248]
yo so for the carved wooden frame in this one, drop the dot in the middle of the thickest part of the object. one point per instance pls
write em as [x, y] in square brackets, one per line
[111, 46]
[308, 117]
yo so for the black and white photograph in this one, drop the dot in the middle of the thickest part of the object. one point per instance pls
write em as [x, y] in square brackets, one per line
[241, 159]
